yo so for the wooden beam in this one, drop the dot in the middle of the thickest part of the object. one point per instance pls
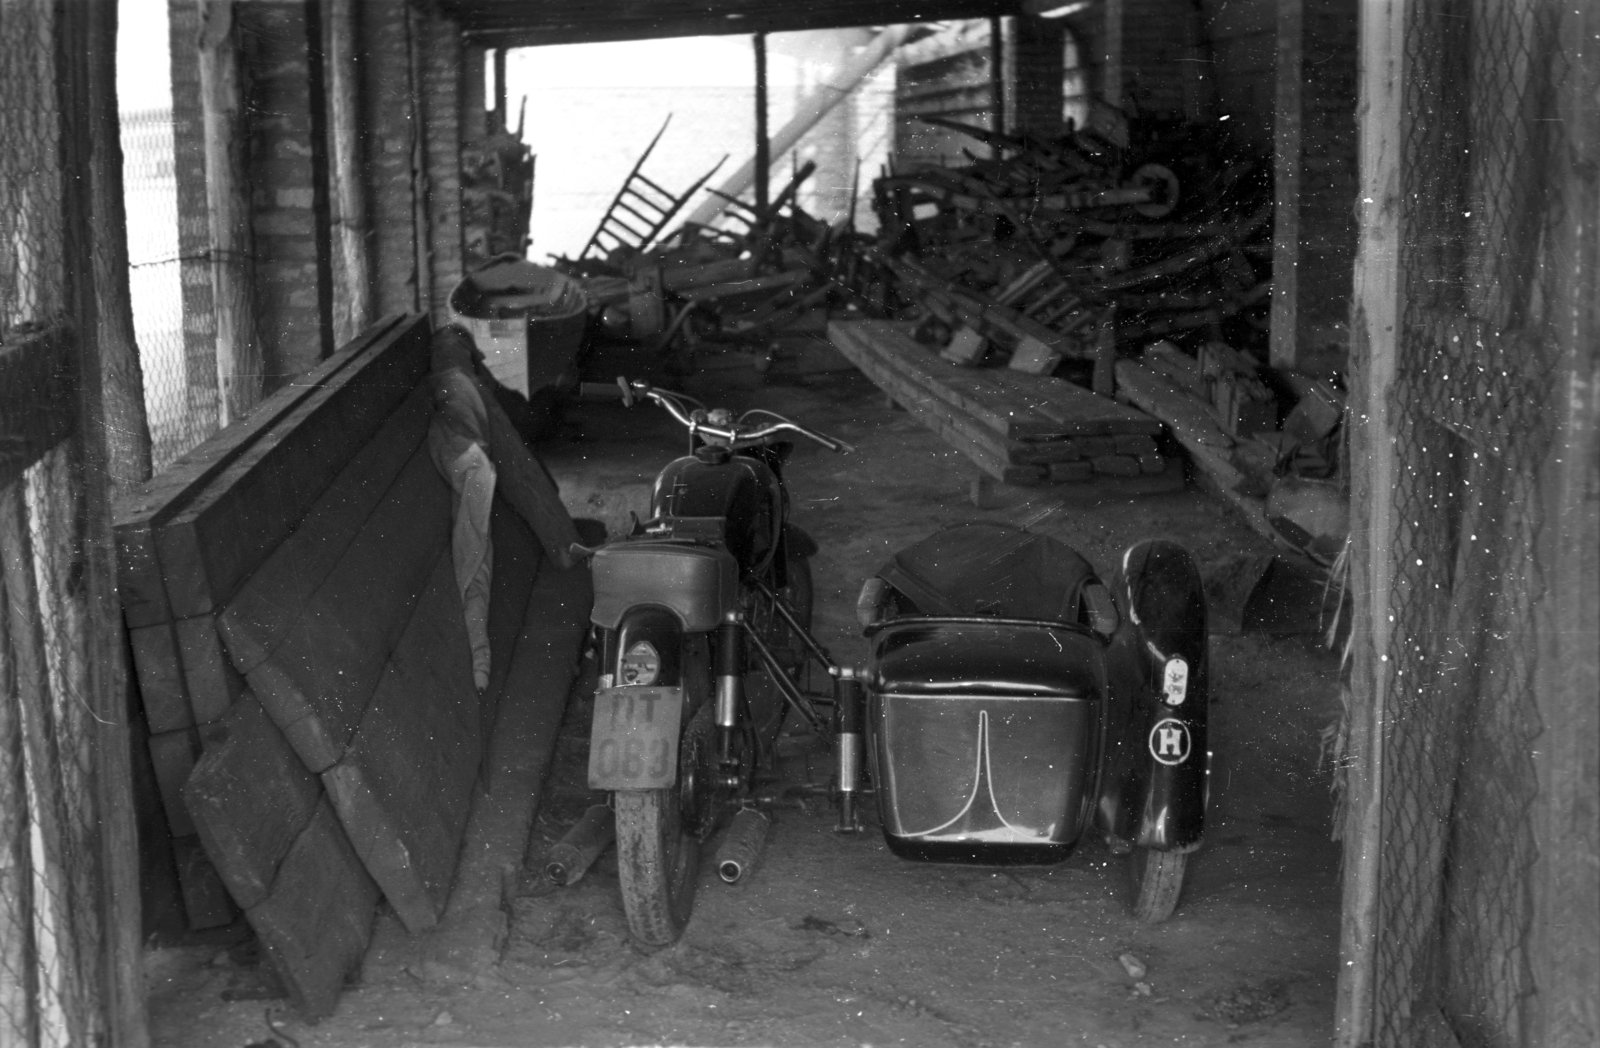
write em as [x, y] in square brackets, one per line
[763, 146]
[353, 300]
[1374, 326]
[509, 23]
[38, 398]
[127, 430]
[239, 353]
[1288, 132]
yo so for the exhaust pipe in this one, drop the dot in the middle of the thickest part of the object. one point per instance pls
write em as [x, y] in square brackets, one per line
[571, 856]
[741, 846]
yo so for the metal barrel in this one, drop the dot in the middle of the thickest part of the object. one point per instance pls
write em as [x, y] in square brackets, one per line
[570, 857]
[741, 845]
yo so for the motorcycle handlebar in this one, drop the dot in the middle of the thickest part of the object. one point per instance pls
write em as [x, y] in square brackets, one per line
[734, 435]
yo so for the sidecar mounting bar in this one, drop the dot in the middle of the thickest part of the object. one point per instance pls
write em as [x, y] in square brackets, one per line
[818, 652]
[786, 687]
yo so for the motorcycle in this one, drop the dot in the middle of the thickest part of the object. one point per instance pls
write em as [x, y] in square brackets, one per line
[1010, 702]
[1015, 702]
[703, 616]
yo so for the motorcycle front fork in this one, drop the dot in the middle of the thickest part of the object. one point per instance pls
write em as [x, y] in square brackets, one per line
[849, 723]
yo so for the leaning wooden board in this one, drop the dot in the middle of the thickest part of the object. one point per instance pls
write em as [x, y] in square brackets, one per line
[313, 648]
[212, 544]
[143, 511]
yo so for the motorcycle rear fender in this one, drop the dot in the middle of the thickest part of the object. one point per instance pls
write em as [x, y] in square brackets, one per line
[657, 626]
[1156, 788]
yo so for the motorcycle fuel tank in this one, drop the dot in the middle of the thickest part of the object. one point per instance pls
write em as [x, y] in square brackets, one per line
[739, 490]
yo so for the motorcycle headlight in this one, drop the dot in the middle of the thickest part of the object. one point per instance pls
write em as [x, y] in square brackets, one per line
[641, 664]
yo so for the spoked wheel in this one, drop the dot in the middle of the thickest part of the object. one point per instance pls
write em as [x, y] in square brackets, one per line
[1157, 882]
[658, 841]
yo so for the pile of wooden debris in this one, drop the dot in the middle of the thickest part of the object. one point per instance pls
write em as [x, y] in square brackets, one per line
[1060, 251]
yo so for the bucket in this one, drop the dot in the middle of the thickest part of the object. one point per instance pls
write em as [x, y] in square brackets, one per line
[528, 320]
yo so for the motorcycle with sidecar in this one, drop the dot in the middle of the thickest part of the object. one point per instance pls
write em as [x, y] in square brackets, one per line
[1010, 703]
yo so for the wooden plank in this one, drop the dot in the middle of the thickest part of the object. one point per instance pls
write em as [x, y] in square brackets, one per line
[137, 514]
[213, 544]
[953, 427]
[286, 581]
[525, 484]
[968, 389]
[210, 681]
[162, 689]
[38, 398]
[250, 799]
[206, 902]
[315, 923]
[174, 754]
[314, 667]
[404, 787]
[517, 563]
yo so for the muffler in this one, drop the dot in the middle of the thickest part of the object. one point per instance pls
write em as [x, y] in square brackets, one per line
[741, 845]
[570, 857]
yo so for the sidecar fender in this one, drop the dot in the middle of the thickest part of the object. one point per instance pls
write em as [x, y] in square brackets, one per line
[1155, 790]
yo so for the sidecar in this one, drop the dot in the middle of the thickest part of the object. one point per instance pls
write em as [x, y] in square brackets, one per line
[1014, 702]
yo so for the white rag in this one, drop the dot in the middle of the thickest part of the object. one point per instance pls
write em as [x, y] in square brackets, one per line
[457, 442]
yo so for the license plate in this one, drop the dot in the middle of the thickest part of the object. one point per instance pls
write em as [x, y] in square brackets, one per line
[633, 741]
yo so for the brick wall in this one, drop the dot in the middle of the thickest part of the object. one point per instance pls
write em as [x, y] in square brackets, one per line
[392, 139]
[441, 114]
[288, 184]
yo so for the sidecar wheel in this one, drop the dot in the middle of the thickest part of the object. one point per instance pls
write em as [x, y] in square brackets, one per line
[1157, 882]
[657, 864]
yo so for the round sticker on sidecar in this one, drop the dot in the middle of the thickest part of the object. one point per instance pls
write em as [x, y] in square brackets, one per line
[1169, 741]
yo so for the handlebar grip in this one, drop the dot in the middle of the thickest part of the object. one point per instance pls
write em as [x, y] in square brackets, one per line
[599, 391]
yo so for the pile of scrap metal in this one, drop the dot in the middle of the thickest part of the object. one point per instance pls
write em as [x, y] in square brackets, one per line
[698, 284]
[1060, 251]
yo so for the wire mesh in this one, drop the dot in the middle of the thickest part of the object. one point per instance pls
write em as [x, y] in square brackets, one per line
[51, 910]
[1472, 375]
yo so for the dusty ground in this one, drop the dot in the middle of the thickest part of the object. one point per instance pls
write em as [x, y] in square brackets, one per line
[833, 941]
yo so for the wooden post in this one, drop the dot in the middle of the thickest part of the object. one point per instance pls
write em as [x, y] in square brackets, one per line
[354, 295]
[1375, 329]
[997, 76]
[420, 183]
[87, 594]
[239, 356]
[498, 118]
[127, 429]
[1564, 944]
[763, 145]
[1288, 135]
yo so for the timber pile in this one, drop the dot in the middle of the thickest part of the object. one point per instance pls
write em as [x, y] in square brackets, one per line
[1060, 250]
[299, 645]
[1023, 430]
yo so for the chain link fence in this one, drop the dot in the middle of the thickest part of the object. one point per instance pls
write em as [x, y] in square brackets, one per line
[52, 905]
[1474, 371]
[181, 407]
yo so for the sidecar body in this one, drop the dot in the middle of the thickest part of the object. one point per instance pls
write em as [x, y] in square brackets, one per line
[1015, 701]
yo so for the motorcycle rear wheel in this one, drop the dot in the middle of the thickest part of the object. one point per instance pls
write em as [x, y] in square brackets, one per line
[1157, 882]
[657, 864]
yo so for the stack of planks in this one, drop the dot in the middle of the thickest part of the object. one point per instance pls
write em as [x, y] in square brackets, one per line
[314, 654]
[1019, 429]
[189, 539]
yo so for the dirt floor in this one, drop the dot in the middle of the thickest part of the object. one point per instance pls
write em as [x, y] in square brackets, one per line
[834, 941]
